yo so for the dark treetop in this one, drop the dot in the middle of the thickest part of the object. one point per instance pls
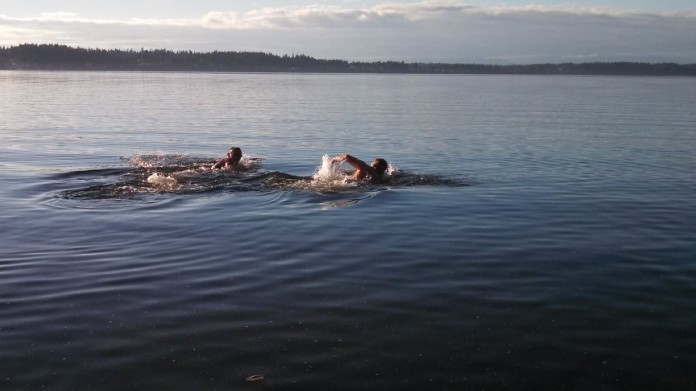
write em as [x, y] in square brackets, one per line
[61, 57]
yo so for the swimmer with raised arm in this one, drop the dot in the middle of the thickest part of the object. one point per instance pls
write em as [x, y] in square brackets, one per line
[372, 173]
[231, 160]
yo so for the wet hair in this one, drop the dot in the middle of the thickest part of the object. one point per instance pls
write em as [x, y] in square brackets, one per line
[381, 165]
[236, 154]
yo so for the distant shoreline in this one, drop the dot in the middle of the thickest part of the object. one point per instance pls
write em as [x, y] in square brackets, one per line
[52, 57]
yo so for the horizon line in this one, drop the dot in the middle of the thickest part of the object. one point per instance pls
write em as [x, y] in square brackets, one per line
[174, 51]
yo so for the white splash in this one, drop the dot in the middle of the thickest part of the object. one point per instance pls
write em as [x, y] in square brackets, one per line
[148, 161]
[328, 171]
[249, 163]
[163, 182]
[332, 176]
[329, 176]
[391, 169]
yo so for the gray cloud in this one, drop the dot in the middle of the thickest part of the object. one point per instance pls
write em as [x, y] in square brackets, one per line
[431, 31]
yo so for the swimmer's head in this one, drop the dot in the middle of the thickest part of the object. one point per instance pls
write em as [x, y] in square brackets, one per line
[235, 154]
[380, 166]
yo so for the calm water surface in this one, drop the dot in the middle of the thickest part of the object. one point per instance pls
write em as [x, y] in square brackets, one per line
[536, 232]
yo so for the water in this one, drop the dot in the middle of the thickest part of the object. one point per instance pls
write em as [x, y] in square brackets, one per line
[535, 232]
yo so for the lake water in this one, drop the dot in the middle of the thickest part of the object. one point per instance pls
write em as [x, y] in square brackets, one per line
[534, 232]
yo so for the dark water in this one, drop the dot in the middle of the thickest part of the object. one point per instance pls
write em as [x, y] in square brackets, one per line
[533, 233]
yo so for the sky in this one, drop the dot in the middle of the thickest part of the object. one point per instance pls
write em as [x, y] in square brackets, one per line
[484, 31]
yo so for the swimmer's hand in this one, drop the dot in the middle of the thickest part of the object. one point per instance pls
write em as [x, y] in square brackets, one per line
[339, 158]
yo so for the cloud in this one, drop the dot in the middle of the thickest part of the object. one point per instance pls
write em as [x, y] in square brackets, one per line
[430, 31]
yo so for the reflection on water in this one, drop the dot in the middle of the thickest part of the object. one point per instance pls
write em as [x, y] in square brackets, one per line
[182, 174]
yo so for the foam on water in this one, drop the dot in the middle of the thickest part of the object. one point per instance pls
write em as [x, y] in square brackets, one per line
[182, 162]
[329, 176]
[184, 174]
[164, 182]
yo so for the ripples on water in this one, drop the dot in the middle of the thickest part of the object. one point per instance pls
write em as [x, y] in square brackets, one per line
[567, 264]
[181, 174]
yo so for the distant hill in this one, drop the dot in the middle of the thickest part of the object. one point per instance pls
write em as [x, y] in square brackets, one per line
[61, 57]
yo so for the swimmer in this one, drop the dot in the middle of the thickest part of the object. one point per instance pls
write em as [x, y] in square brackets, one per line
[231, 160]
[372, 173]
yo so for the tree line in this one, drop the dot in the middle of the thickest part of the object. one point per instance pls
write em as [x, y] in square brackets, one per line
[62, 57]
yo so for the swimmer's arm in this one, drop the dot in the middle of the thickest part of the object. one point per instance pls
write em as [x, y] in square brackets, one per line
[219, 164]
[353, 161]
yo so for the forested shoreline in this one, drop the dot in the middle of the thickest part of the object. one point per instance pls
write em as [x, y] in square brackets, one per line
[62, 57]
